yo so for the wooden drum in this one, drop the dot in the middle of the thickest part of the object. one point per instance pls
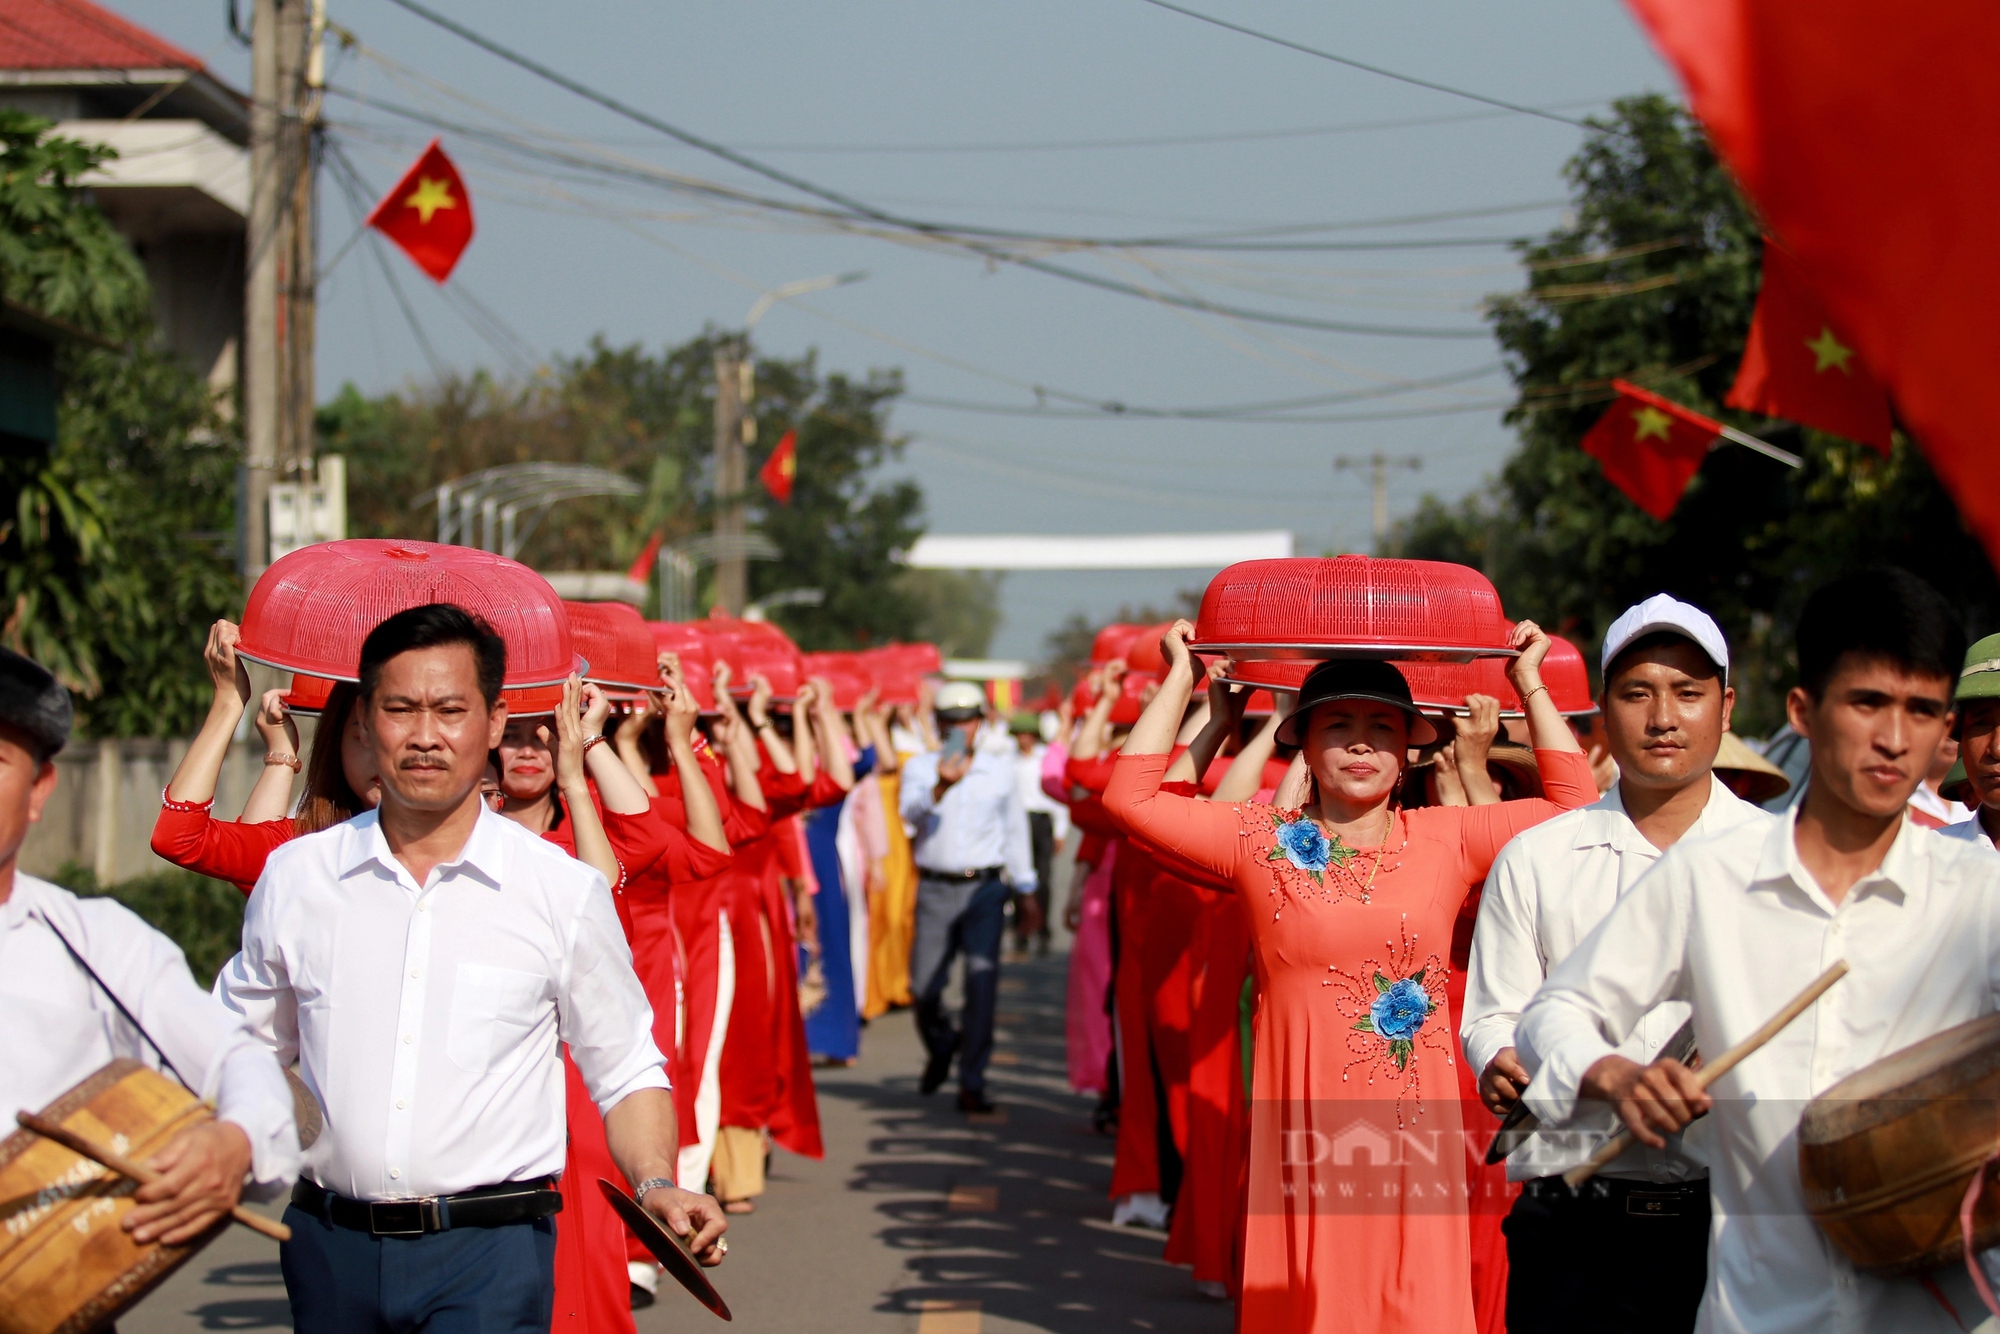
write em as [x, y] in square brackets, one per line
[66, 1266]
[1885, 1155]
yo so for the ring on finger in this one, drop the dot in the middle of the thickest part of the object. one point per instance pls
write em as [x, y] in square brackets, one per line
[722, 1245]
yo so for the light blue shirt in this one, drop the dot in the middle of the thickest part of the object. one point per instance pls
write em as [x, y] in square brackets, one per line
[979, 822]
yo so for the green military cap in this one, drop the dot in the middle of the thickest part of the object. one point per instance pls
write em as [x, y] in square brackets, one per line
[1980, 677]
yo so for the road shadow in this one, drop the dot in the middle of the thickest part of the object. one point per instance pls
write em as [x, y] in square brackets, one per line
[1012, 1213]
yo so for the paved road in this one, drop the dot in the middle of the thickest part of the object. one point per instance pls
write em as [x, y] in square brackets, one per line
[917, 1222]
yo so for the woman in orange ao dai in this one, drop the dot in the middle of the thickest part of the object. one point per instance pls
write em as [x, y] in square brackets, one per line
[1356, 1206]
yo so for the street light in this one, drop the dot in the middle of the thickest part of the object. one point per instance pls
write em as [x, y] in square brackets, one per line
[735, 427]
[762, 306]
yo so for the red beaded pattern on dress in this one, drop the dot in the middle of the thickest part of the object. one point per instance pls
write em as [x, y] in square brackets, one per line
[189, 807]
[1355, 879]
[1392, 1008]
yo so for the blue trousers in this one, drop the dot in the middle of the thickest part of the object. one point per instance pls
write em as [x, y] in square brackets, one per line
[472, 1280]
[959, 917]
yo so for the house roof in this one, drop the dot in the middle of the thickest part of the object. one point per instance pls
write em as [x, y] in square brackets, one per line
[78, 35]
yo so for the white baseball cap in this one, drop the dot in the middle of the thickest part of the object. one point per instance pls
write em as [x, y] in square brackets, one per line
[959, 697]
[1662, 612]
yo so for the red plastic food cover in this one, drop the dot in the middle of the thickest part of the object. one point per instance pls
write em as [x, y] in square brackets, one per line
[1131, 701]
[899, 669]
[755, 648]
[1113, 641]
[847, 673]
[309, 694]
[1144, 655]
[1351, 606]
[1568, 678]
[1271, 673]
[311, 609]
[533, 701]
[614, 639]
[691, 642]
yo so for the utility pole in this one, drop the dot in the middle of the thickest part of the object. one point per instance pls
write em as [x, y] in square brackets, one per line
[734, 428]
[278, 318]
[1378, 466]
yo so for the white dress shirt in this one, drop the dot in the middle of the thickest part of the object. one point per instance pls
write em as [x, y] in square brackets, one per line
[57, 1027]
[425, 1017]
[1548, 889]
[1969, 831]
[979, 823]
[1735, 925]
[1028, 777]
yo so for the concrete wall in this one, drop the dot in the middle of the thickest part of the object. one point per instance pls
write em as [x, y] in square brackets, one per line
[108, 795]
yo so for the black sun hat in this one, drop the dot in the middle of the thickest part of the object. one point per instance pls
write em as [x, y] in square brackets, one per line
[1356, 678]
[32, 700]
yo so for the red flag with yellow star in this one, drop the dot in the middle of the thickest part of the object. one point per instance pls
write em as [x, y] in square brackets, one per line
[1796, 367]
[779, 470]
[1650, 447]
[428, 213]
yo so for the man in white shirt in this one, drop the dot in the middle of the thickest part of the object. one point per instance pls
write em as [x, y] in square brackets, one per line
[1048, 826]
[1737, 923]
[84, 982]
[1631, 1249]
[1978, 701]
[422, 961]
[970, 844]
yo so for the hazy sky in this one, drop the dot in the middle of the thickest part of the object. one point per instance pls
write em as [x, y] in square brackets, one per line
[1007, 116]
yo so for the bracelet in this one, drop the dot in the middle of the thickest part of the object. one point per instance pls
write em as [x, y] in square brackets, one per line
[186, 807]
[291, 762]
[1531, 694]
[590, 741]
[639, 1191]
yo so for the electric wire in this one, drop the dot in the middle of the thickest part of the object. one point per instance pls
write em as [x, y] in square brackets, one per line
[1352, 63]
[969, 242]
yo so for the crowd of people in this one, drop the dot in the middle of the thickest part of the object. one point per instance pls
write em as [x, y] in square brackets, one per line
[1358, 971]
[1330, 947]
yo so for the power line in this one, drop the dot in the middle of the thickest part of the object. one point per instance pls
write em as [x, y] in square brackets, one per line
[959, 237]
[1352, 63]
[1236, 239]
[1221, 412]
[1152, 141]
[1078, 414]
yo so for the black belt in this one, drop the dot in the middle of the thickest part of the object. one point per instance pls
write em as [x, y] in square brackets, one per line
[958, 877]
[489, 1206]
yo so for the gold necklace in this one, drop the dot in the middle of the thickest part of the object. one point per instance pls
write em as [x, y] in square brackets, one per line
[1381, 851]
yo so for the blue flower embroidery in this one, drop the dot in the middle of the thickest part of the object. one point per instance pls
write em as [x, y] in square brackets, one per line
[1398, 1012]
[1305, 845]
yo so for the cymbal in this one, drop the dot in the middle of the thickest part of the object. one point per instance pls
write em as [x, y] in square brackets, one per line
[672, 1253]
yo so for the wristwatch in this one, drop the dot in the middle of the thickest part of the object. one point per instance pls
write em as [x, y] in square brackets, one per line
[639, 1191]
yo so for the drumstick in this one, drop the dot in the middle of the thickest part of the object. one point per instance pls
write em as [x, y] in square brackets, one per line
[125, 1167]
[1720, 1066]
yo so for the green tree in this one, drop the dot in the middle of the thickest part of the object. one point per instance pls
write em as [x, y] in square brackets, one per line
[113, 544]
[651, 418]
[1654, 280]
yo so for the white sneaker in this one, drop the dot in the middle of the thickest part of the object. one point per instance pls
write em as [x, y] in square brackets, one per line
[1141, 1209]
[645, 1276]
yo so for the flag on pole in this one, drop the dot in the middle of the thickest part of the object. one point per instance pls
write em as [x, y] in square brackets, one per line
[642, 568]
[779, 470]
[1797, 367]
[1865, 134]
[428, 213]
[1650, 447]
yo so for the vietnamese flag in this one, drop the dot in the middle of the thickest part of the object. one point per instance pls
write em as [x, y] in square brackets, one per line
[1796, 367]
[1650, 447]
[1866, 135]
[428, 213]
[779, 470]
